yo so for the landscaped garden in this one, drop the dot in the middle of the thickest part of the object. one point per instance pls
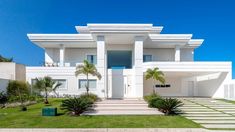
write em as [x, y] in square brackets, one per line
[32, 118]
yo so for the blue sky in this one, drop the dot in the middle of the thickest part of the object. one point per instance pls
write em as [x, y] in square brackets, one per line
[212, 20]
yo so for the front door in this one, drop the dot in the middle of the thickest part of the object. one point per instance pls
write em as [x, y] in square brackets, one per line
[117, 83]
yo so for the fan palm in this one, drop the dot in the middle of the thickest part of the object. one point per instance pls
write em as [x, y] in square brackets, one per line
[87, 69]
[46, 84]
[156, 75]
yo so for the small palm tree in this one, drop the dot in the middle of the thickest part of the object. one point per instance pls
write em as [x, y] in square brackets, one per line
[156, 75]
[87, 68]
[46, 84]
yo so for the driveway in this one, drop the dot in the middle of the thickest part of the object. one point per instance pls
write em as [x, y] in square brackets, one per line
[210, 113]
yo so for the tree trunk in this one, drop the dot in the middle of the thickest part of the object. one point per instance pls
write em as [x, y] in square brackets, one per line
[46, 100]
[87, 84]
[153, 86]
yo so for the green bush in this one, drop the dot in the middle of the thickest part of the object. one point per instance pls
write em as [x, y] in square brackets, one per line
[152, 99]
[15, 88]
[3, 99]
[91, 96]
[24, 98]
[76, 106]
[168, 105]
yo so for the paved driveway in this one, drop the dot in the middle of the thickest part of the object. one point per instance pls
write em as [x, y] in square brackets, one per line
[208, 112]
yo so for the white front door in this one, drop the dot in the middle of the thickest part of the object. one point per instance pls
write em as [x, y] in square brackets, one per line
[126, 87]
[117, 83]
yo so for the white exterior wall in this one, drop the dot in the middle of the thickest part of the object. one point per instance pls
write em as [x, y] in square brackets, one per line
[78, 55]
[67, 73]
[174, 90]
[160, 54]
[186, 54]
[212, 85]
[71, 55]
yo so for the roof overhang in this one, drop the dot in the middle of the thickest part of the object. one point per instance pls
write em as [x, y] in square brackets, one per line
[67, 40]
[103, 29]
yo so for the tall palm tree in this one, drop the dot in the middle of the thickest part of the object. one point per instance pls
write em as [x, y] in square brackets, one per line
[46, 84]
[156, 75]
[87, 69]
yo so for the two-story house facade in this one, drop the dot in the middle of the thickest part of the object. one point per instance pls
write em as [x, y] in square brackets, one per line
[122, 53]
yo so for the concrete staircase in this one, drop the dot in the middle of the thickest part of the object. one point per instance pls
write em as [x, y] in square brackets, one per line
[122, 107]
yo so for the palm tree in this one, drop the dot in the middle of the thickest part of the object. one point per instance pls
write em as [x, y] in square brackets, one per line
[156, 75]
[87, 68]
[46, 84]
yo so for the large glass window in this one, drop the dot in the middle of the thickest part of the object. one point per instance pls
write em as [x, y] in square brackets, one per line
[82, 83]
[63, 83]
[119, 59]
[147, 58]
[92, 59]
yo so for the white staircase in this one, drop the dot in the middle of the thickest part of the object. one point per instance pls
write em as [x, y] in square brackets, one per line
[122, 107]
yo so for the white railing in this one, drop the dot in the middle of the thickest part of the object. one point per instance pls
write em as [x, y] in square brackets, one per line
[190, 66]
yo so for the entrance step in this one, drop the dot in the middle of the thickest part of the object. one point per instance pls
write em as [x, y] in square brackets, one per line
[122, 107]
[215, 121]
[212, 118]
[121, 112]
[218, 125]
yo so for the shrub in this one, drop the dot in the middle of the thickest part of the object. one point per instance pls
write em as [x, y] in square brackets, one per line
[3, 99]
[25, 98]
[15, 88]
[91, 96]
[168, 105]
[76, 106]
[152, 99]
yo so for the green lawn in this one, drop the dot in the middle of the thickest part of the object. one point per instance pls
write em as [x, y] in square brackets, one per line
[13, 118]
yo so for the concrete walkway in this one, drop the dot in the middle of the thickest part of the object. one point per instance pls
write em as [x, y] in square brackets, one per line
[210, 113]
[113, 130]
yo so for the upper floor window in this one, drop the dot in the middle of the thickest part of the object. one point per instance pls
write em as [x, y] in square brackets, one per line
[92, 59]
[147, 58]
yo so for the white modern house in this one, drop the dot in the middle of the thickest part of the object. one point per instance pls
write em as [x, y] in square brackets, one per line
[122, 53]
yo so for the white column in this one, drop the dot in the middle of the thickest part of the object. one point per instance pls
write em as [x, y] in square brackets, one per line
[101, 66]
[62, 55]
[138, 72]
[177, 53]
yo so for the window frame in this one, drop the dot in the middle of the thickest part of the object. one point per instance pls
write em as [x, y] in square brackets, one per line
[90, 88]
[148, 55]
[93, 57]
[66, 84]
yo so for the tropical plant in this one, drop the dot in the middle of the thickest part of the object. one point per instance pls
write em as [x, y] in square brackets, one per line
[87, 69]
[3, 99]
[3, 59]
[91, 96]
[168, 105]
[151, 99]
[156, 75]
[15, 88]
[76, 106]
[46, 85]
